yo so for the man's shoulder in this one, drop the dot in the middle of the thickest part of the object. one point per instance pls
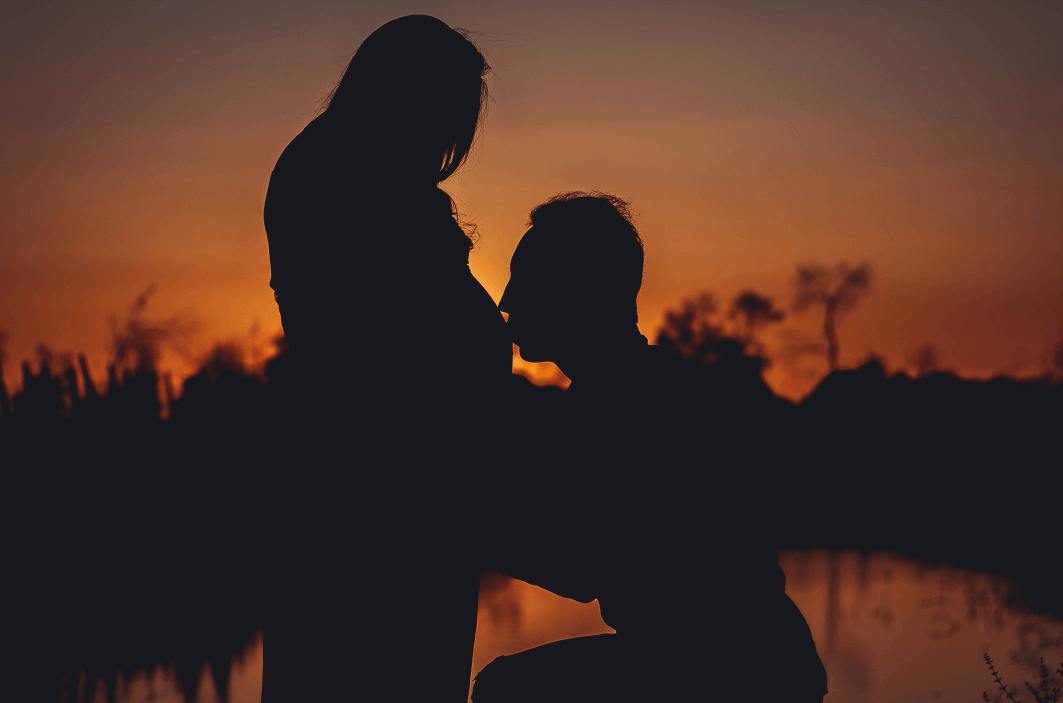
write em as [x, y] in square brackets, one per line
[662, 358]
[650, 379]
[646, 376]
[664, 369]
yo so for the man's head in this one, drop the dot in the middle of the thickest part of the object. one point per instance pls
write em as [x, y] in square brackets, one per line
[574, 277]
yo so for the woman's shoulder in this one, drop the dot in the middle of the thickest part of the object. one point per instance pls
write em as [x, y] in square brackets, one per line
[306, 155]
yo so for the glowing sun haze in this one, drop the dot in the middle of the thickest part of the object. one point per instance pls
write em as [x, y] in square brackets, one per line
[137, 141]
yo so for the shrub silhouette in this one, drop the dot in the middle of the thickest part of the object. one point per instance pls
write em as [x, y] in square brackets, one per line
[696, 330]
[837, 290]
[1041, 694]
[753, 311]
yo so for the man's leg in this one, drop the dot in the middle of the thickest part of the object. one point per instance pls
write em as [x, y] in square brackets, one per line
[578, 669]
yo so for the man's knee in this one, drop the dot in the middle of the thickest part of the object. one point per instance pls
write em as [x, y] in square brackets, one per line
[577, 669]
[492, 680]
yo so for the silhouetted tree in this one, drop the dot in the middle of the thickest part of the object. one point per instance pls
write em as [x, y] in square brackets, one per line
[697, 330]
[692, 331]
[731, 359]
[751, 310]
[1055, 363]
[925, 360]
[836, 290]
[5, 399]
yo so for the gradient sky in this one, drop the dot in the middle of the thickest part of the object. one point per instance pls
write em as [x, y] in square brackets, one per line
[137, 139]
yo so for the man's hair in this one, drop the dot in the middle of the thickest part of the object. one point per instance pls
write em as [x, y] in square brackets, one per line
[595, 235]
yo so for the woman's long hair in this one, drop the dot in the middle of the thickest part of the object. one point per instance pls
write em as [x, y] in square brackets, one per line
[411, 98]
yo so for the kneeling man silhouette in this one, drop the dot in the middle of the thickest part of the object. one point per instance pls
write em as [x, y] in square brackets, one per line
[655, 494]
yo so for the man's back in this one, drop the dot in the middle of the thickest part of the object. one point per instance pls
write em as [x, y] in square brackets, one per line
[647, 499]
[658, 453]
[655, 512]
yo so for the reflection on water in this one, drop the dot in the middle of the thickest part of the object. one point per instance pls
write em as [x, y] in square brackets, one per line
[161, 686]
[888, 630]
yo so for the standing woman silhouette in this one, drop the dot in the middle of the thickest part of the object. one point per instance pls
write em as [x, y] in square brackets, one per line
[401, 358]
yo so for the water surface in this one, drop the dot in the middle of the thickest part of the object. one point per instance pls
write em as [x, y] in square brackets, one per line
[888, 629]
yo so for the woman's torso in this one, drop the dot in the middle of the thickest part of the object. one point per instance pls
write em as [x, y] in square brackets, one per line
[372, 278]
[402, 357]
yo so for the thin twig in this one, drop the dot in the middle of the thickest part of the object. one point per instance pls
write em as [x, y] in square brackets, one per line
[996, 677]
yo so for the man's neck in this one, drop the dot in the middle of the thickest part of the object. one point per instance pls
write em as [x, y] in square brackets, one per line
[603, 358]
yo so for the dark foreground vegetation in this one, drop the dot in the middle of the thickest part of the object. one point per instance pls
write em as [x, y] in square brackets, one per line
[132, 541]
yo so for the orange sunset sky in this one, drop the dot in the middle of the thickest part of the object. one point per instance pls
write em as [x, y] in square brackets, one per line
[137, 139]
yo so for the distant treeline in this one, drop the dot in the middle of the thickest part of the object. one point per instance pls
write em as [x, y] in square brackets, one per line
[136, 540]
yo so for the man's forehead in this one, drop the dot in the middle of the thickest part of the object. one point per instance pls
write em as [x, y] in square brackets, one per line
[536, 254]
[528, 248]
